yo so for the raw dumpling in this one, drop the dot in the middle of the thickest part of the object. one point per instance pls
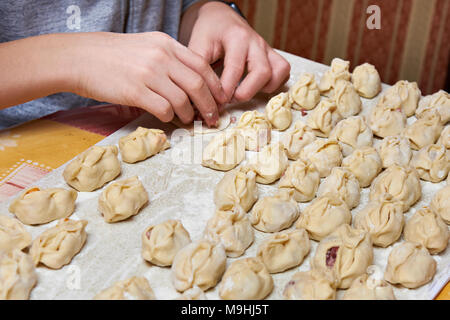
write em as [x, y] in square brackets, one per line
[142, 144]
[424, 131]
[323, 118]
[366, 288]
[135, 288]
[93, 168]
[270, 163]
[444, 139]
[347, 99]
[439, 101]
[428, 229]
[255, 129]
[310, 285]
[323, 216]
[385, 121]
[36, 206]
[339, 71]
[225, 151]
[352, 133]
[402, 183]
[57, 246]
[410, 265]
[297, 139]
[233, 229]
[325, 154]
[201, 263]
[342, 184]
[303, 178]
[402, 95]
[432, 163]
[366, 80]
[275, 213]
[284, 250]
[305, 92]
[17, 275]
[13, 234]
[194, 293]
[122, 199]
[441, 203]
[382, 219]
[395, 150]
[161, 242]
[347, 252]
[278, 111]
[365, 164]
[246, 279]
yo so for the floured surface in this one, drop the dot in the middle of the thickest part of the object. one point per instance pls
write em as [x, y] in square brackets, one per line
[182, 191]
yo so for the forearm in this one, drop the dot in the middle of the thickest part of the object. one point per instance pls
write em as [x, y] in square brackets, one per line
[188, 20]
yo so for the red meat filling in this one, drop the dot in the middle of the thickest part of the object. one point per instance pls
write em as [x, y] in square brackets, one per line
[331, 256]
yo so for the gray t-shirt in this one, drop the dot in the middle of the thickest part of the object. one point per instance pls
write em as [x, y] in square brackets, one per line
[26, 18]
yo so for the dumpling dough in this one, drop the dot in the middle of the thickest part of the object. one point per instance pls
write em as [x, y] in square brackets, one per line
[382, 219]
[275, 213]
[439, 101]
[385, 121]
[57, 246]
[278, 111]
[13, 234]
[302, 178]
[323, 216]
[135, 288]
[233, 229]
[325, 154]
[402, 95]
[17, 275]
[365, 164]
[246, 279]
[142, 144]
[122, 199]
[444, 139]
[284, 250]
[200, 263]
[323, 118]
[305, 92]
[347, 252]
[255, 129]
[36, 206]
[347, 99]
[161, 242]
[395, 150]
[366, 80]
[432, 163]
[93, 168]
[352, 133]
[342, 184]
[441, 203]
[402, 183]
[339, 71]
[270, 163]
[410, 265]
[237, 187]
[424, 131]
[297, 139]
[225, 151]
[194, 293]
[366, 288]
[310, 285]
[428, 229]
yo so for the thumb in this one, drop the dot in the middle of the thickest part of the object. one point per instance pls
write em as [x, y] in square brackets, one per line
[205, 48]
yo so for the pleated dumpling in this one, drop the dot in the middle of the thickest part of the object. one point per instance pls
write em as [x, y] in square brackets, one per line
[57, 246]
[93, 168]
[122, 199]
[237, 187]
[444, 138]
[386, 121]
[278, 111]
[439, 101]
[410, 265]
[342, 184]
[404, 95]
[432, 163]
[347, 99]
[194, 293]
[347, 252]
[142, 143]
[323, 118]
[366, 80]
[246, 279]
[441, 203]
[135, 288]
[424, 131]
[255, 129]
[295, 140]
[325, 154]
[225, 151]
[303, 178]
[395, 150]
[427, 228]
[305, 93]
[13, 234]
[161, 242]
[37, 206]
[367, 288]
[200, 263]
[352, 133]
[310, 285]
[364, 163]
[270, 163]
[339, 70]
[284, 250]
